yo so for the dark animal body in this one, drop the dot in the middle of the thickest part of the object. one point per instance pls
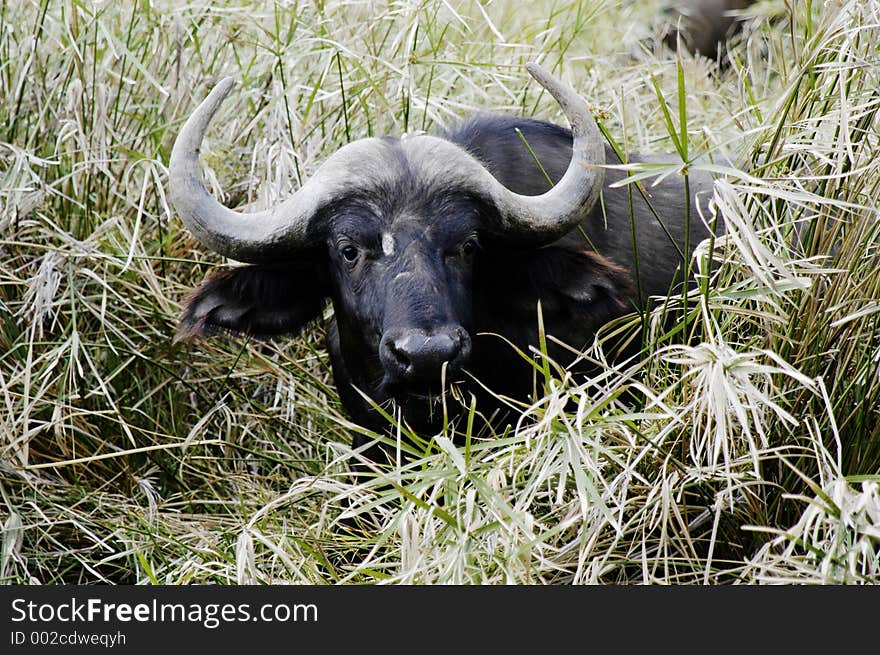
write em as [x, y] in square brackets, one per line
[706, 25]
[434, 278]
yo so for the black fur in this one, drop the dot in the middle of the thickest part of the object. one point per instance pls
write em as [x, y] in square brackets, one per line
[445, 273]
[260, 301]
[706, 25]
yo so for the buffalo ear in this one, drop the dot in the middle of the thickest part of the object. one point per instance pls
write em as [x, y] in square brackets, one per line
[260, 300]
[590, 281]
[579, 290]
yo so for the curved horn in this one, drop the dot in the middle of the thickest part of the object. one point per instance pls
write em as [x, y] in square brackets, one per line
[535, 219]
[258, 236]
[555, 212]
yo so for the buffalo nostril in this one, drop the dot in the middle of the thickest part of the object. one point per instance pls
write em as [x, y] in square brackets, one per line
[399, 354]
[416, 354]
[427, 352]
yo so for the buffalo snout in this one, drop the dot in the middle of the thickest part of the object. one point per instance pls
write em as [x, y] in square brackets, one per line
[415, 356]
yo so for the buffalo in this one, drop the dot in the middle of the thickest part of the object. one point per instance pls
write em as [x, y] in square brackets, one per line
[705, 25]
[436, 252]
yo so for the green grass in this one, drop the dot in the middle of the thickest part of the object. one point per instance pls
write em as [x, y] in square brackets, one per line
[124, 458]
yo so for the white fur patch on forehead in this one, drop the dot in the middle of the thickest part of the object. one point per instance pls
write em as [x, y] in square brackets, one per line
[387, 244]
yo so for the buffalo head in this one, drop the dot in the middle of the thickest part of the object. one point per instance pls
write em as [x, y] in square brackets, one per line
[394, 232]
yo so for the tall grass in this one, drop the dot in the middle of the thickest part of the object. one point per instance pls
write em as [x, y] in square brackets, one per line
[753, 456]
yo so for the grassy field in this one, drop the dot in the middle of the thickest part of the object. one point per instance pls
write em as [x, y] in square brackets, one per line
[126, 458]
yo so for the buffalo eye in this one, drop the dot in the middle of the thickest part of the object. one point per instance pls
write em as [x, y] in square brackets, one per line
[349, 253]
[469, 247]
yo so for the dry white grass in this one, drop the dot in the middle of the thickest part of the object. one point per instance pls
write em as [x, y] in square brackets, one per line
[752, 454]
